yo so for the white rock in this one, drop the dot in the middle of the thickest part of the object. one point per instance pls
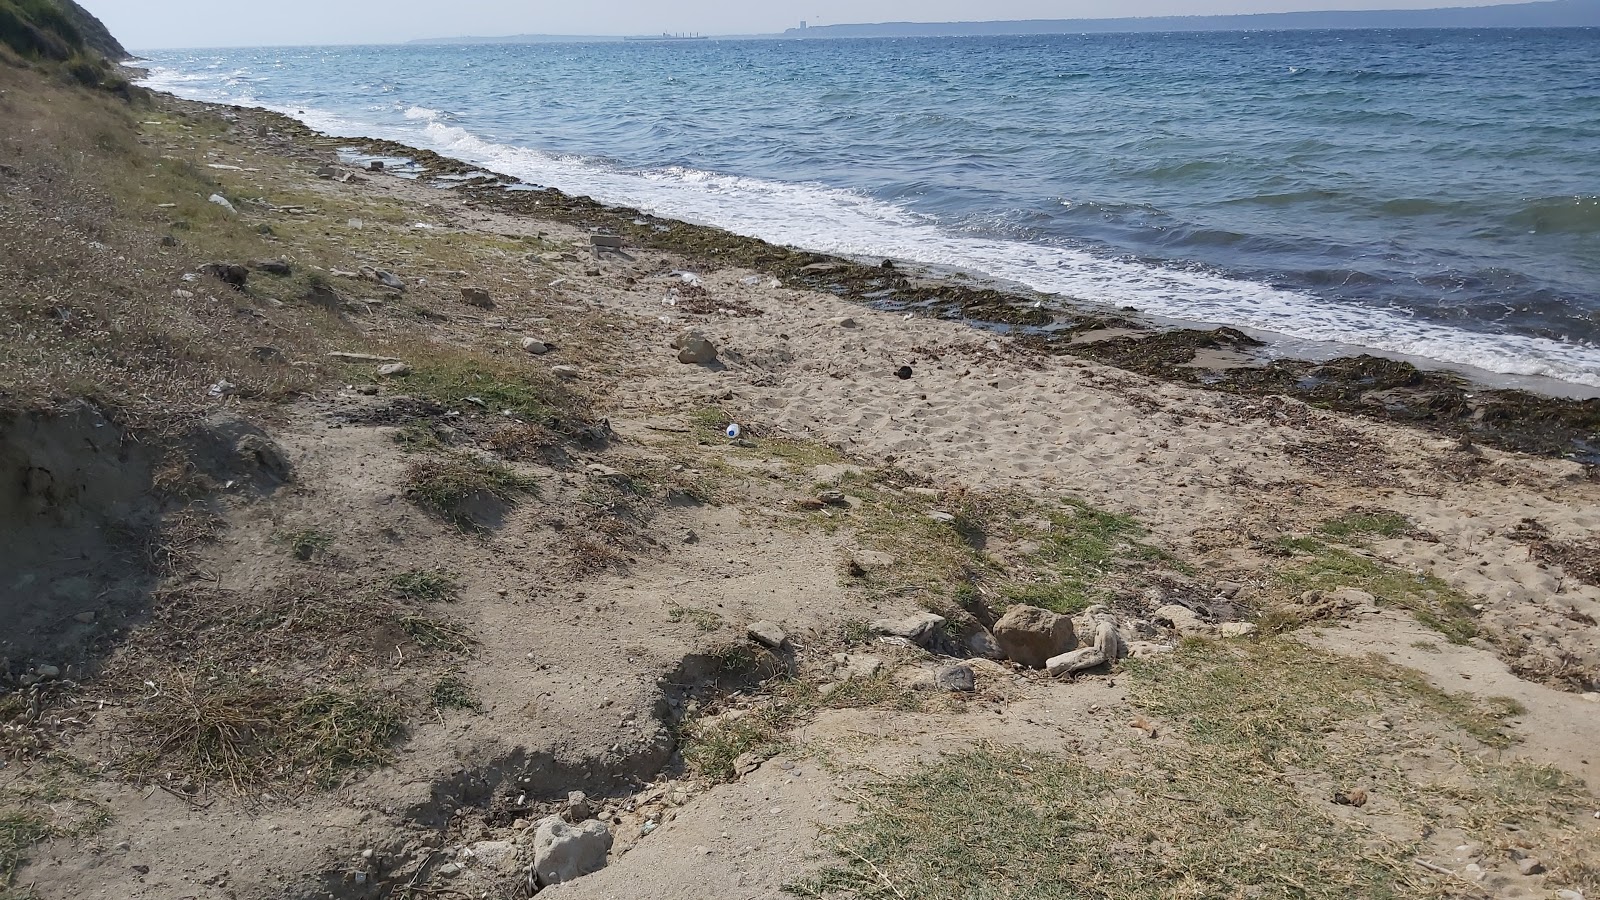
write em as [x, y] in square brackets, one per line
[567, 372]
[921, 629]
[695, 348]
[222, 201]
[1182, 619]
[1075, 661]
[1236, 629]
[767, 634]
[562, 852]
[535, 346]
[394, 370]
[854, 665]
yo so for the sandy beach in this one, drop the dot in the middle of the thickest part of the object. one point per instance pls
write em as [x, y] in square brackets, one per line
[1391, 626]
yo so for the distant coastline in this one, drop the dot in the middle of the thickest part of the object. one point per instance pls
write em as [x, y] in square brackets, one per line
[1542, 14]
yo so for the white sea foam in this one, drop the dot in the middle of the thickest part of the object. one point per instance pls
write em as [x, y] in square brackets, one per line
[830, 220]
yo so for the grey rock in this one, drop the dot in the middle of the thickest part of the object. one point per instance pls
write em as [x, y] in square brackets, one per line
[981, 643]
[844, 322]
[923, 629]
[536, 346]
[1182, 619]
[394, 370]
[1529, 865]
[767, 634]
[695, 348]
[85, 618]
[562, 852]
[956, 678]
[388, 280]
[854, 665]
[274, 267]
[477, 297]
[1075, 661]
[47, 672]
[578, 808]
[326, 171]
[497, 856]
[168, 240]
[1236, 629]
[872, 560]
[223, 202]
[235, 276]
[1229, 589]
[567, 372]
[1032, 636]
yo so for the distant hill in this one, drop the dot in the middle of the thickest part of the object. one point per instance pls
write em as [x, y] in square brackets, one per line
[1550, 14]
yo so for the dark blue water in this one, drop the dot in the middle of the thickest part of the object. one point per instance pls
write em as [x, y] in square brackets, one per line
[1435, 193]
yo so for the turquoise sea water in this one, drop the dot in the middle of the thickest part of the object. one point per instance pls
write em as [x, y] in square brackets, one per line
[1434, 193]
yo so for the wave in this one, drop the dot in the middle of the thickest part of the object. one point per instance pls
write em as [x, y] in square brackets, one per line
[833, 220]
[1560, 215]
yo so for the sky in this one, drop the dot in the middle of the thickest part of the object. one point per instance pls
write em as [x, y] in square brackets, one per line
[164, 24]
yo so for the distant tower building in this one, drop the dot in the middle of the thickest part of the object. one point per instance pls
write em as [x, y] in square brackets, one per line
[802, 25]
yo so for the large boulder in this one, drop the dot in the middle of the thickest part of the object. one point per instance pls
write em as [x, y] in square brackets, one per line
[562, 852]
[1032, 636]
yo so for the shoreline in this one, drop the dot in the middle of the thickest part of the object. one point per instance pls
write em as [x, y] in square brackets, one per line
[1381, 385]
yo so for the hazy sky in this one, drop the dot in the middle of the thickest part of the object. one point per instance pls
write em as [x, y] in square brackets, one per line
[155, 24]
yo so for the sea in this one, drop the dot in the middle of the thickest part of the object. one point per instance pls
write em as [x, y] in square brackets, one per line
[1428, 194]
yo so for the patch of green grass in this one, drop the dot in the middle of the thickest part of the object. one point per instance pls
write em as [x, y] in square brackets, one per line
[20, 830]
[1231, 802]
[711, 748]
[1352, 528]
[432, 634]
[450, 486]
[703, 619]
[425, 585]
[306, 543]
[450, 692]
[252, 731]
[708, 425]
[1080, 547]
[418, 437]
[1433, 602]
[527, 394]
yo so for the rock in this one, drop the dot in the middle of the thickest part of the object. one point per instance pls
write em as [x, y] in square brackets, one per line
[567, 372]
[1351, 598]
[833, 498]
[1182, 619]
[375, 166]
[577, 808]
[1229, 589]
[747, 762]
[956, 678]
[394, 370]
[234, 276]
[694, 348]
[1529, 865]
[326, 171]
[1147, 649]
[274, 267]
[872, 560]
[767, 634]
[981, 643]
[47, 672]
[903, 373]
[1108, 639]
[1236, 629]
[941, 516]
[477, 297]
[322, 295]
[923, 629]
[854, 665]
[223, 202]
[536, 346]
[1356, 797]
[84, 618]
[168, 240]
[1032, 636]
[1075, 661]
[562, 852]
[844, 322]
[389, 280]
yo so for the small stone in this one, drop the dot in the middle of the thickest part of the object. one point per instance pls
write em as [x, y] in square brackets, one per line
[1075, 661]
[326, 171]
[578, 808]
[1229, 589]
[477, 297]
[168, 240]
[957, 679]
[854, 665]
[872, 560]
[695, 348]
[981, 643]
[47, 672]
[84, 618]
[450, 870]
[767, 634]
[1033, 636]
[223, 202]
[234, 276]
[394, 370]
[922, 629]
[833, 498]
[567, 372]
[388, 280]
[1529, 865]
[1236, 629]
[277, 267]
[536, 346]
[563, 852]
[1356, 798]
[903, 373]
[1182, 619]
[844, 322]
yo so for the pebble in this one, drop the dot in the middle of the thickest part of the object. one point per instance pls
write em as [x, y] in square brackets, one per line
[1529, 865]
[767, 634]
[535, 346]
[957, 678]
[394, 370]
[567, 372]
